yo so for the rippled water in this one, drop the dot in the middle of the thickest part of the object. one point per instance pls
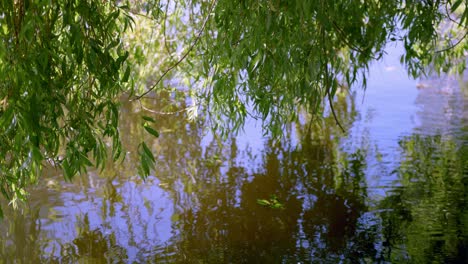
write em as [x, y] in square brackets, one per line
[393, 188]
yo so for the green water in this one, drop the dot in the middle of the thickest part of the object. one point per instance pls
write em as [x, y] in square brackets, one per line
[392, 189]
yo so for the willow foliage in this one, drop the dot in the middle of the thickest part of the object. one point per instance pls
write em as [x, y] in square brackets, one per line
[61, 71]
[65, 63]
[271, 58]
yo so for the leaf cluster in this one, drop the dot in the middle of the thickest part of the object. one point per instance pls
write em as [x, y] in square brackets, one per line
[272, 58]
[62, 66]
[65, 63]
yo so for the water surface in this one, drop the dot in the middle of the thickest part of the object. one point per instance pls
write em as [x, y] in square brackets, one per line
[392, 189]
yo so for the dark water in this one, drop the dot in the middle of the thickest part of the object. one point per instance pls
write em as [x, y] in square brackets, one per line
[392, 189]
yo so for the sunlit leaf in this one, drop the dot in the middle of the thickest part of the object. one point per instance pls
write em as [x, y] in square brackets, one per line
[455, 5]
[126, 75]
[263, 202]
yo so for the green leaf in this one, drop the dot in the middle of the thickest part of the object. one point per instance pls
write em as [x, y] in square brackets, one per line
[126, 75]
[149, 119]
[455, 5]
[263, 202]
[85, 160]
[67, 171]
[151, 130]
[122, 58]
[6, 118]
[116, 150]
[148, 152]
[4, 192]
[273, 202]
[36, 154]
[147, 161]
[145, 166]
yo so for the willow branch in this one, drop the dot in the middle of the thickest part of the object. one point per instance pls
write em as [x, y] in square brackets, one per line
[327, 84]
[453, 45]
[355, 48]
[166, 46]
[333, 112]
[183, 57]
[449, 17]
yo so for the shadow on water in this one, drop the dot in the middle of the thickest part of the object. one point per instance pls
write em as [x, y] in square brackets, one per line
[305, 199]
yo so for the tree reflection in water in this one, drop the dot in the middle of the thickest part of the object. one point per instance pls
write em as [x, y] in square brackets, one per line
[321, 189]
[427, 218]
[202, 205]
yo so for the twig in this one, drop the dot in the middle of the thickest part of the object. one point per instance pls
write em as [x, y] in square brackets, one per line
[139, 14]
[454, 45]
[456, 23]
[163, 113]
[164, 28]
[449, 17]
[183, 57]
[327, 84]
[351, 46]
[333, 112]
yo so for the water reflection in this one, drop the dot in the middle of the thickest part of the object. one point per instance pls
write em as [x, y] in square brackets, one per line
[426, 219]
[21, 237]
[306, 199]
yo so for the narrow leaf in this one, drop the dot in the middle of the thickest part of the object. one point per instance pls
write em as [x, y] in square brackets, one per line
[149, 119]
[151, 131]
[126, 75]
[455, 5]
[148, 152]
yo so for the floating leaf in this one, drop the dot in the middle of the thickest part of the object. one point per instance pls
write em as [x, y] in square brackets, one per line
[273, 202]
[263, 202]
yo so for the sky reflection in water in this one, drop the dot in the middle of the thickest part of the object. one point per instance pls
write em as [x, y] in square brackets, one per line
[392, 189]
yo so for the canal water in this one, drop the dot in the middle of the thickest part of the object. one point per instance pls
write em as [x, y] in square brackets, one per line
[391, 189]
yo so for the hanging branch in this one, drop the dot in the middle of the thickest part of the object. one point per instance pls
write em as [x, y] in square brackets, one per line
[166, 46]
[453, 45]
[326, 82]
[333, 112]
[183, 56]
